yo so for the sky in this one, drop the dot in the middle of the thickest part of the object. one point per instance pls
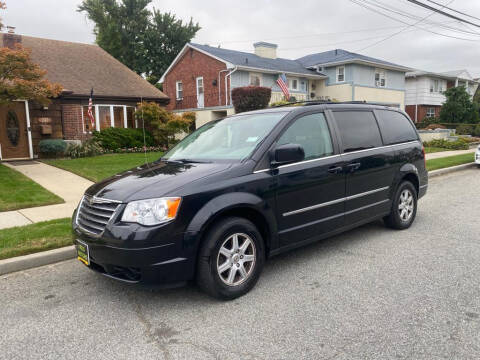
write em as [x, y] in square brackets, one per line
[299, 28]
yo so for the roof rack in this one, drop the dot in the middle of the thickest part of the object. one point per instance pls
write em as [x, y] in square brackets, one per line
[323, 102]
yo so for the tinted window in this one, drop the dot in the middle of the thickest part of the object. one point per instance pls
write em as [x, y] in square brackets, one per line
[311, 132]
[358, 129]
[396, 128]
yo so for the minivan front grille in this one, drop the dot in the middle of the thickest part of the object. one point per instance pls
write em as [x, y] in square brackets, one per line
[94, 214]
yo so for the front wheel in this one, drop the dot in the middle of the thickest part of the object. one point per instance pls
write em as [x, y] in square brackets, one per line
[231, 258]
[404, 207]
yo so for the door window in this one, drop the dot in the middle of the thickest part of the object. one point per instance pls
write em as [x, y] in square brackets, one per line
[13, 127]
[396, 128]
[312, 133]
[358, 130]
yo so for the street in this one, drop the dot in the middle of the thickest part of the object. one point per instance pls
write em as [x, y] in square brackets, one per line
[371, 293]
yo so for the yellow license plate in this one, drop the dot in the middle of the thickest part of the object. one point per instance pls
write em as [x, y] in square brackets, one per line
[82, 252]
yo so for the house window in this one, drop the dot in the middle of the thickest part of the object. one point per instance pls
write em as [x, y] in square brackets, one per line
[179, 90]
[104, 117]
[104, 113]
[303, 85]
[340, 73]
[379, 77]
[436, 86]
[293, 84]
[430, 112]
[255, 79]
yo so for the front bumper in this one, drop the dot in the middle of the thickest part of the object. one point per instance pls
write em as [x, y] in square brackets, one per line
[129, 257]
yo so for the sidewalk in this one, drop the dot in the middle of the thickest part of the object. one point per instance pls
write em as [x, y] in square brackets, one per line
[442, 154]
[68, 186]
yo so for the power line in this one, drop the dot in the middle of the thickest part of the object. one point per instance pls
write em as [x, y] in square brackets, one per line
[398, 32]
[459, 12]
[442, 12]
[406, 23]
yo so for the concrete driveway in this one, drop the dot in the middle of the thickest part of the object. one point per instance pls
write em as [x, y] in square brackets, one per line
[371, 293]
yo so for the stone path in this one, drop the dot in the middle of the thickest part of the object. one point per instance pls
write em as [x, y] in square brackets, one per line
[68, 186]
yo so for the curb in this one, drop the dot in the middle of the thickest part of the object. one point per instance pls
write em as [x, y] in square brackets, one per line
[450, 169]
[25, 262]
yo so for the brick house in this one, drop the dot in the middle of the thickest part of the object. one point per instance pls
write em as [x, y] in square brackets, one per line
[77, 68]
[201, 77]
[424, 91]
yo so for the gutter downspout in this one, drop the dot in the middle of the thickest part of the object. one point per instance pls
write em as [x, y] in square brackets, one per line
[226, 77]
[220, 87]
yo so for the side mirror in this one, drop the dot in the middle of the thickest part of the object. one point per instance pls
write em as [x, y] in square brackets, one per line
[288, 153]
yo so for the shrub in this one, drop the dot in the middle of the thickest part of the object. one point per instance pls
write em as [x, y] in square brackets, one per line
[250, 98]
[459, 144]
[163, 124]
[119, 138]
[434, 126]
[279, 103]
[476, 131]
[52, 147]
[88, 148]
[464, 129]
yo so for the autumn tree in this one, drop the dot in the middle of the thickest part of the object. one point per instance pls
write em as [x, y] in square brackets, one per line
[145, 40]
[163, 124]
[20, 78]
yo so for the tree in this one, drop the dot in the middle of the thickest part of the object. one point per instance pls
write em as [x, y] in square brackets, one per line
[3, 6]
[458, 107]
[163, 124]
[20, 78]
[145, 41]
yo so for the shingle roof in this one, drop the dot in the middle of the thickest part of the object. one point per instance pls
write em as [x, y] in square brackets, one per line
[340, 55]
[79, 67]
[245, 59]
[450, 75]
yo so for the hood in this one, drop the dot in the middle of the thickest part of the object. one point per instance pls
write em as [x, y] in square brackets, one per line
[152, 180]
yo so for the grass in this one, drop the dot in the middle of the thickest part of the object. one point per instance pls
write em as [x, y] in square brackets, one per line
[432, 149]
[100, 167]
[33, 238]
[18, 192]
[441, 163]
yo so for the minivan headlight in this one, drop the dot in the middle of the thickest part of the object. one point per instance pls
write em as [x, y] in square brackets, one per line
[151, 211]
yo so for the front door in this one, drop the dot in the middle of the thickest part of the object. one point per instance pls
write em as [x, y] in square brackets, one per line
[200, 93]
[310, 193]
[13, 131]
[368, 165]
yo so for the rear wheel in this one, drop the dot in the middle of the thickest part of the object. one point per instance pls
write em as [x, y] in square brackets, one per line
[231, 258]
[404, 207]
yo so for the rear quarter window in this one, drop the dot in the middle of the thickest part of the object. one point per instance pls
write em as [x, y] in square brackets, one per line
[358, 130]
[396, 128]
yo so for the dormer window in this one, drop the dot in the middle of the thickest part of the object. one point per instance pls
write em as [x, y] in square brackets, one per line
[379, 78]
[255, 79]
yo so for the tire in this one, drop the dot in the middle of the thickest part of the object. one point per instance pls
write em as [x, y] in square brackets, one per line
[404, 207]
[219, 248]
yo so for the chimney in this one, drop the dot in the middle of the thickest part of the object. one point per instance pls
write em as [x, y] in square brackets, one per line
[266, 50]
[10, 39]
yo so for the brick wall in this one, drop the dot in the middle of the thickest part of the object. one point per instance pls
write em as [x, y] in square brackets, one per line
[421, 111]
[72, 122]
[37, 112]
[194, 64]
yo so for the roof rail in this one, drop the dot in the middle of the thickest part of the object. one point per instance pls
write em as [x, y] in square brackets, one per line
[322, 102]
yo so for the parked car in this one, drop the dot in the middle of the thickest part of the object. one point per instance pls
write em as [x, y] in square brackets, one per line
[477, 156]
[240, 190]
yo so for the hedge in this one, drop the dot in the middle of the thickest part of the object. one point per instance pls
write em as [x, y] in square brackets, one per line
[250, 98]
[52, 146]
[121, 138]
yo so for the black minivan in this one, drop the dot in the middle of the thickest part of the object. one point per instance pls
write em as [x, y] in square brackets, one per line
[241, 189]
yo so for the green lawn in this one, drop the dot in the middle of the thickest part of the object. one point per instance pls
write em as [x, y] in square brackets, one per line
[33, 238]
[441, 163]
[100, 167]
[18, 192]
[429, 150]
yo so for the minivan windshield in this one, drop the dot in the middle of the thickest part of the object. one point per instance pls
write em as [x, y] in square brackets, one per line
[233, 138]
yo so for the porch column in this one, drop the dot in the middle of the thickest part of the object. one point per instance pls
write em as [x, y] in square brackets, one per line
[97, 118]
[112, 120]
[125, 116]
[456, 82]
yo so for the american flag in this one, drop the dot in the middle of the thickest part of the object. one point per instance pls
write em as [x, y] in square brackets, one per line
[89, 112]
[282, 82]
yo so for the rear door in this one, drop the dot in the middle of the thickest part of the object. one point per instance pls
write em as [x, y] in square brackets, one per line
[310, 194]
[368, 165]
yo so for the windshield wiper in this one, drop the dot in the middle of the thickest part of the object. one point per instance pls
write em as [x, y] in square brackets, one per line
[187, 161]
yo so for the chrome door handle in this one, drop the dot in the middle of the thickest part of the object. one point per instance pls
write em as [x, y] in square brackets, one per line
[353, 166]
[335, 169]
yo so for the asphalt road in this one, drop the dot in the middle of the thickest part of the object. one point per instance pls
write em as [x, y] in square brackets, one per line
[371, 293]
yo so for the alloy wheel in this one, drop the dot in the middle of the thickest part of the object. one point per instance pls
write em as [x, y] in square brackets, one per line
[236, 259]
[406, 205]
